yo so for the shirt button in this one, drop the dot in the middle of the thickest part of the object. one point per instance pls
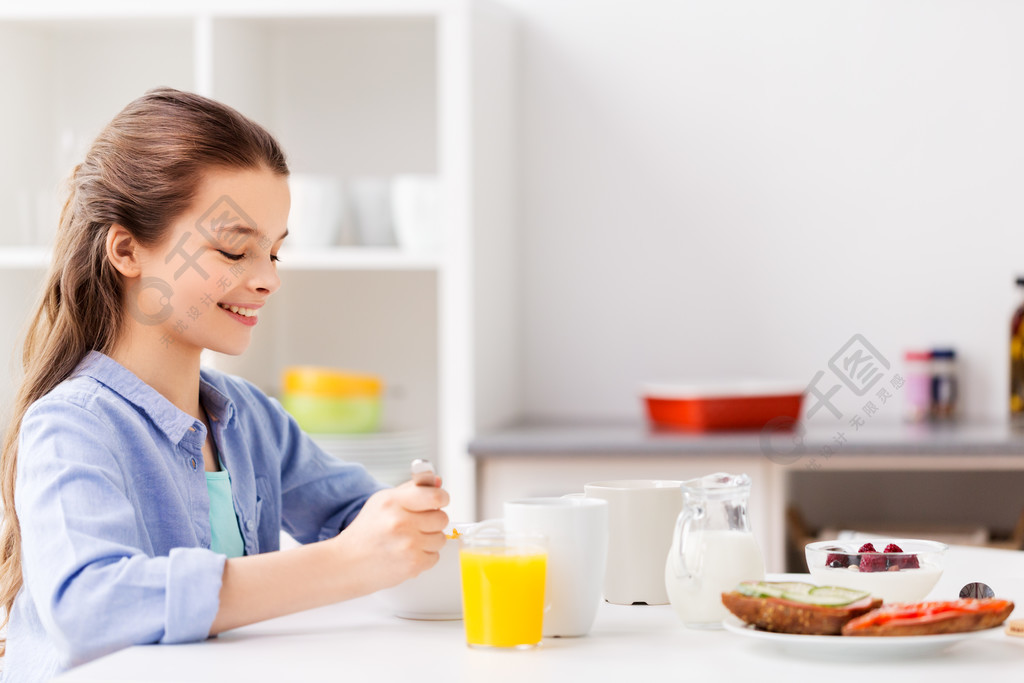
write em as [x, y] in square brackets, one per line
[248, 525]
[193, 463]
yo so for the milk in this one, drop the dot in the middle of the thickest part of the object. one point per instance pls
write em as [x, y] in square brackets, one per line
[716, 561]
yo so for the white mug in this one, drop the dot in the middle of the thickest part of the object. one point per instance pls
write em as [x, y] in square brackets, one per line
[577, 533]
[371, 207]
[415, 209]
[319, 210]
[641, 520]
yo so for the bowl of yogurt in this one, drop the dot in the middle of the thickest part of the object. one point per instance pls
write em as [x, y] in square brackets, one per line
[896, 570]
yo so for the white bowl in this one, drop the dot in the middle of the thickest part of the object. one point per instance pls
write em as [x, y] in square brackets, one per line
[838, 563]
[435, 594]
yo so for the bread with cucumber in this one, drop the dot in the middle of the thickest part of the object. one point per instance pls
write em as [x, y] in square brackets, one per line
[794, 607]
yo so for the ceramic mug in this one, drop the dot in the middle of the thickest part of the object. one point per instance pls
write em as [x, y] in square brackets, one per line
[577, 533]
[319, 210]
[641, 519]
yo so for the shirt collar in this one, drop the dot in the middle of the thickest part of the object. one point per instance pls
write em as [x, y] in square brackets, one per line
[167, 417]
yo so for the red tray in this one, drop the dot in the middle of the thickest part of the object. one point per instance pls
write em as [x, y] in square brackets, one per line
[722, 407]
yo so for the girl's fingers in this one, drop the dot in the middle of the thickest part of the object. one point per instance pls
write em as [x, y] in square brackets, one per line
[421, 498]
[432, 521]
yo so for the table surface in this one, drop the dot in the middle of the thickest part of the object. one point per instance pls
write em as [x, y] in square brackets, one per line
[360, 640]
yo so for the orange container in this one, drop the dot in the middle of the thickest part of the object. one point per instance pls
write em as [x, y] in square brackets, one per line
[738, 406]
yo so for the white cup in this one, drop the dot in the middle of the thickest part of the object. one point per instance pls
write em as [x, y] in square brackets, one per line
[371, 207]
[415, 209]
[577, 532]
[641, 520]
[319, 210]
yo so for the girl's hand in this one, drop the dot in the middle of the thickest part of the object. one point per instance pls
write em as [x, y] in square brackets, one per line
[396, 535]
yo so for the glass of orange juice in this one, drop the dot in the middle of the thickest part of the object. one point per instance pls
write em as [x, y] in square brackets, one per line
[503, 577]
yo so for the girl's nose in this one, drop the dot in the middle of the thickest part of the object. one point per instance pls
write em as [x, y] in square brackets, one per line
[263, 275]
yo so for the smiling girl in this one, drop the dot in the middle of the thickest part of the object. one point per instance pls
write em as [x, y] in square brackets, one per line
[145, 495]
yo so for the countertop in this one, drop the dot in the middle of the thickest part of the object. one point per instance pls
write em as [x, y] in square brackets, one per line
[637, 437]
[360, 640]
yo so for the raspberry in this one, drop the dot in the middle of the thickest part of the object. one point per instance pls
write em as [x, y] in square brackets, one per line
[867, 548]
[837, 560]
[872, 562]
[907, 562]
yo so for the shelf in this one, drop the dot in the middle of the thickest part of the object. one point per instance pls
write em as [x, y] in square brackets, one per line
[74, 10]
[24, 258]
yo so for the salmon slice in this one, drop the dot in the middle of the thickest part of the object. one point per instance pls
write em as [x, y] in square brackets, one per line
[924, 618]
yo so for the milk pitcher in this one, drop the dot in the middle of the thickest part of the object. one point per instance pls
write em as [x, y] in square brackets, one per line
[713, 548]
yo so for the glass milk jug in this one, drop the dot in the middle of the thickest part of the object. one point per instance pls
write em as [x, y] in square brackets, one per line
[713, 548]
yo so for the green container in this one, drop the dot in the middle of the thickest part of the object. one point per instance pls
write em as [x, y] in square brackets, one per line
[330, 415]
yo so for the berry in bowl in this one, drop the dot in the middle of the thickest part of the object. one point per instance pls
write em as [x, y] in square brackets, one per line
[896, 570]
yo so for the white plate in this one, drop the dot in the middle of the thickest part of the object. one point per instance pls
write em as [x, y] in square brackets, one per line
[851, 647]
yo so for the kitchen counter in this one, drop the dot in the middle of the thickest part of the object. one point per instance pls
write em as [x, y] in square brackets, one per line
[875, 438]
[965, 473]
[359, 640]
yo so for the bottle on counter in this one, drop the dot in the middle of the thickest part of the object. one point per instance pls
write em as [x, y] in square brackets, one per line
[944, 386]
[917, 394]
[1017, 362]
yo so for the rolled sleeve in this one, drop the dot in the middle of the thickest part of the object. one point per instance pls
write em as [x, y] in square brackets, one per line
[88, 557]
[194, 578]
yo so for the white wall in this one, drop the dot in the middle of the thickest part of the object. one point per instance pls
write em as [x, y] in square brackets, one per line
[717, 189]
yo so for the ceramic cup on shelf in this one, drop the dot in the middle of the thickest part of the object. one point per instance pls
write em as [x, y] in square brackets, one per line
[372, 211]
[319, 211]
[641, 519]
[577, 533]
[415, 209]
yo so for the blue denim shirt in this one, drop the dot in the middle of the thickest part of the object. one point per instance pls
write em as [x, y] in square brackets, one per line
[114, 511]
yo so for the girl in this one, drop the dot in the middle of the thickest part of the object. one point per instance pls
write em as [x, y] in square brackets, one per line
[145, 496]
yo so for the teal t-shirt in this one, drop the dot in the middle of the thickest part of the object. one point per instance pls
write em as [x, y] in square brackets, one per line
[226, 537]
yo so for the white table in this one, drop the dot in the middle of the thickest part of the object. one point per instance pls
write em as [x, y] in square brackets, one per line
[360, 641]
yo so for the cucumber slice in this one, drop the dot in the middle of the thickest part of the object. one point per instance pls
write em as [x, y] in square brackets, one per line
[774, 589]
[830, 596]
[809, 594]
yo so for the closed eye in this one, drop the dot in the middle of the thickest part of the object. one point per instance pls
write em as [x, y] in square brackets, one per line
[230, 256]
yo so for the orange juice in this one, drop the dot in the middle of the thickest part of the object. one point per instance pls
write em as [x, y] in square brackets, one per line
[503, 595]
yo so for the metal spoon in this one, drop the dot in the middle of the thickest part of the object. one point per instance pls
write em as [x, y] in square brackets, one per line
[977, 589]
[422, 472]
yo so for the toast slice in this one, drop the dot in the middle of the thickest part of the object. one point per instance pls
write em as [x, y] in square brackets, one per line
[929, 618]
[797, 608]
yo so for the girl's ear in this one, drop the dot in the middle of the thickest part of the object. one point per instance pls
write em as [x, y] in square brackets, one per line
[122, 251]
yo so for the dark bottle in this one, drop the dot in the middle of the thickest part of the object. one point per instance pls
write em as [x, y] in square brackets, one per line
[1017, 363]
[944, 384]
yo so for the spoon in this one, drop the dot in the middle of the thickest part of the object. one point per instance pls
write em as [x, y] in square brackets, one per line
[422, 472]
[977, 589]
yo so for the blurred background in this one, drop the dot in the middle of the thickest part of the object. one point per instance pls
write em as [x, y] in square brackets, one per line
[522, 210]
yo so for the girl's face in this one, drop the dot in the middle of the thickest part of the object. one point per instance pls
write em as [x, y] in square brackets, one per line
[203, 286]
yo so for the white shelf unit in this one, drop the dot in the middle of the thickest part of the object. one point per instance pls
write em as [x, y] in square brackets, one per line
[349, 88]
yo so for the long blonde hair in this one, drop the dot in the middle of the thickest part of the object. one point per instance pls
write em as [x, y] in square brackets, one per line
[142, 172]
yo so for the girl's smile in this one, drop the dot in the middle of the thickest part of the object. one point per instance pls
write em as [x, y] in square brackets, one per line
[243, 313]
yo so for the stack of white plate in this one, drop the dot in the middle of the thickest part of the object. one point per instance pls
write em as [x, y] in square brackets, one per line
[386, 455]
